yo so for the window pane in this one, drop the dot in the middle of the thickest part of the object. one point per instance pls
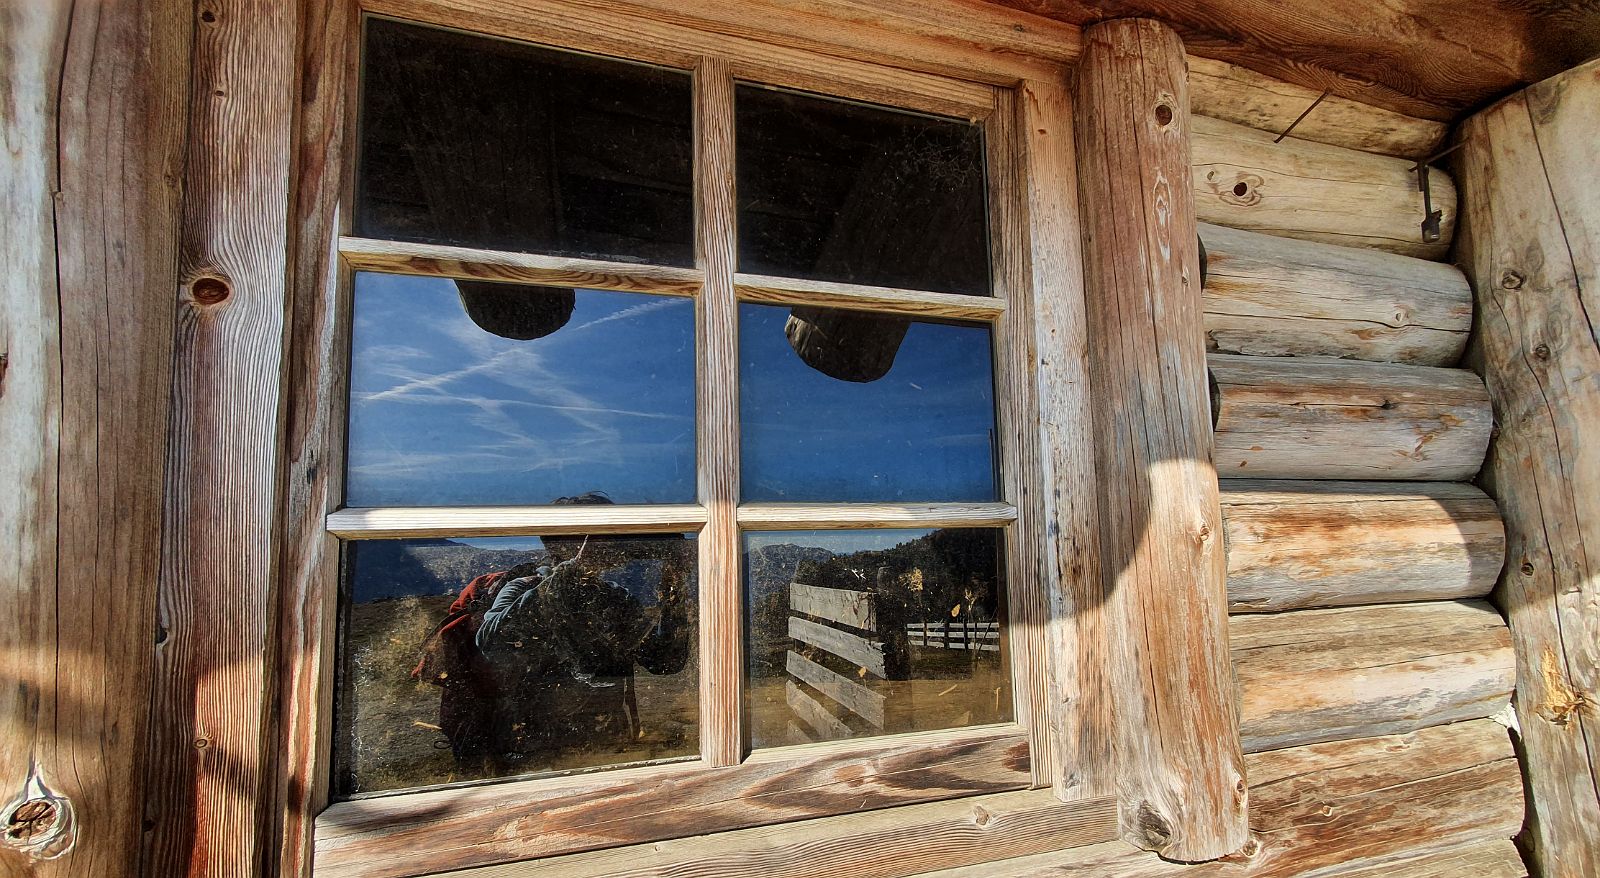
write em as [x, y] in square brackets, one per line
[847, 406]
[860, 633]
[467, 659]
[465, 392]
[489, 143]
[831, 190]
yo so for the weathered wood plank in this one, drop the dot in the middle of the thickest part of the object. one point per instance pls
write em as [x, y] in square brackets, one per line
[1272, 296]
[912, 303]
[1531, 244]
[1313, 191]
[1325, 675]
[1294, 545]
[209, 764]
[1182, 784]
[822, 723]
[396, 836]
[883, 844]
[1080, 713]
[93, 126]
[850, 647]
[436, 260]
[1319, 418]
[853, 696]
[1238, 94]
[854, 608]
[1437, 803]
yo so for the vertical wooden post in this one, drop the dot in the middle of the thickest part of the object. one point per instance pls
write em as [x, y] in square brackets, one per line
[93, 129]
[1180, 770]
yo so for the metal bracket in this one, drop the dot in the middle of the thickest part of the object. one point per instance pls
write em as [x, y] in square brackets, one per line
[1431, 219]
[1300, 118]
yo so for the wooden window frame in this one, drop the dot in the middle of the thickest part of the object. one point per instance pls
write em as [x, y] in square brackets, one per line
[727, 787]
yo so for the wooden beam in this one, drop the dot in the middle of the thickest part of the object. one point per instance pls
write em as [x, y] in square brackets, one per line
[827, 294]
[210, 759]
[1182, 782]
[884, 844]
[1295, 545]
[1326, 675]
[94, 128]
[435, 260]
[1317, 418]
[1531, 243]
[1080, 706]
[1315, 192]
[399, 836]
[1271, 296]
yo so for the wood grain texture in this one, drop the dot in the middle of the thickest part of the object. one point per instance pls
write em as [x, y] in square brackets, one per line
[1275, 297]
[1238, 94]
[1531, 245]
[434, 260]
[849, 694]
[453, 829]
[858, 609]
[883, 844]
[209, 764]
[1318, 418]
[487, 521]
[95, 111]
[852, 648]
[1326, 675]
[1181, 783]
[913, 303]
[605, 28]
[1313, 191]
[1294, 545]
[1079, 710]
[829, 516]
[717, 420]
[313, 433]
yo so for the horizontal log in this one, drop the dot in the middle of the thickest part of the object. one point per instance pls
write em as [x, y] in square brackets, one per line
[1308, 676]
[1237, 94]
[1437, 803]
[1294, 545]
[1313, 191]
[1275, 297]
[1319, 418]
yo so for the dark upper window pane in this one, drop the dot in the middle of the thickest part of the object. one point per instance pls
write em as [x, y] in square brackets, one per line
[468, 393]
[847, 406]
[860, 633]
[489, 143]
[468, 659]
[831, 190]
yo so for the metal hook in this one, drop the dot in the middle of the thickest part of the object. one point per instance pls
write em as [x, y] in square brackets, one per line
[1300, 118]
[1431, 219]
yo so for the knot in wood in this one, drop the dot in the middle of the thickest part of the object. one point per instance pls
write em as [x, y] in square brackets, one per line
[31, 820]
[1541, 351]
[210, 289]
[1512, 279]
[1155, 828]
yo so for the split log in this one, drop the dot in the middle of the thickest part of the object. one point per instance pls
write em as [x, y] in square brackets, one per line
[1531, 241]
[1182, 789]
[1437, 803]
[1296, 545]
[1309, 676]
[1313, 191]
[1237, 94]
[1274, 297]
[1318, 418]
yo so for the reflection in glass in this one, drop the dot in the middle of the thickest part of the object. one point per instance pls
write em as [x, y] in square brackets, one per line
[842, 406]
[831, 190]
[489, 143]
[471, 393]
[860, 633]
[468, 659]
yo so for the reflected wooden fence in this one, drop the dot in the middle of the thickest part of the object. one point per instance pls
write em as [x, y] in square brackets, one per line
[834, 611]
[983, 636]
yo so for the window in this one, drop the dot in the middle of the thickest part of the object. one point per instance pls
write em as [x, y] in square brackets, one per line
[681, 450]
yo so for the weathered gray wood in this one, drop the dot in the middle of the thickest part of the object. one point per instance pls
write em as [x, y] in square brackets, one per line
[850, 647]
[1313, 191]
[1318, 418]
[1275, 297]
[1308, 676]
[854, 608]
[93, 125]
[1294, 545]
[1182, 787]
[1531, 242]
[853, 696]
[824, 725]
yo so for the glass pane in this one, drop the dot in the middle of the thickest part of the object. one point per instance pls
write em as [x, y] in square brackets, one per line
[465, 392]
[489, 143]
[847, 406]
[832, 190]
[465, 659]
[860, 633]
